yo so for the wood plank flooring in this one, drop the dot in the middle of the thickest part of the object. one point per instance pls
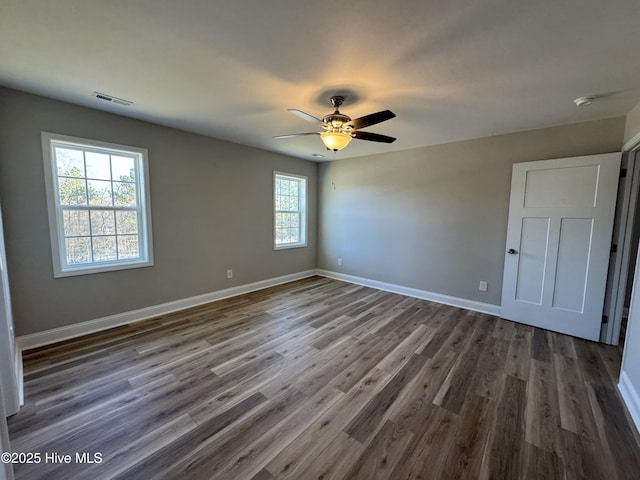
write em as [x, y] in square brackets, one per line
[319, 379]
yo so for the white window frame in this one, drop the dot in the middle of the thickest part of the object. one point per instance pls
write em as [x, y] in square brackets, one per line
[56, 220]
[302, 195]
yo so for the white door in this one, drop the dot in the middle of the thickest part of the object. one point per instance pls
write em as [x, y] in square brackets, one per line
[559, 241]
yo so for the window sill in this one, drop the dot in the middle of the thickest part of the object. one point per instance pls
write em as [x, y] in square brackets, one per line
[287, 247]
[72, 272]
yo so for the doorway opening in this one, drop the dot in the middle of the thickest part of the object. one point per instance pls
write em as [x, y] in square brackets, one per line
[624, 251]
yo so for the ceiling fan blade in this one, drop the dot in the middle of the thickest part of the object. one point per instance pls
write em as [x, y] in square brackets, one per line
[306, 116]
[296, 135]
[373, 137]
[372, 119]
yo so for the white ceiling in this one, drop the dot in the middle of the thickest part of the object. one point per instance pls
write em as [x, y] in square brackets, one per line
[450, 69]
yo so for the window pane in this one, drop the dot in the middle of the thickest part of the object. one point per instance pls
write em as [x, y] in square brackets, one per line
[104, 249]
[103, 222]
[98, 165]
[69, 163]
[123, 168]
[72, 191]
[126, 222]
[128, 246]
[124, 194]
[100, 193]
[293, 204]
[78, 250]
[293, 189]
[76, 223]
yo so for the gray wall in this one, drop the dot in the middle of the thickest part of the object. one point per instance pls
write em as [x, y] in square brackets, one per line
[435, 218]
[211, 210]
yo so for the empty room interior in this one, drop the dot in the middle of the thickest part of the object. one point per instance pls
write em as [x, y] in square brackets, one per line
[319, 240]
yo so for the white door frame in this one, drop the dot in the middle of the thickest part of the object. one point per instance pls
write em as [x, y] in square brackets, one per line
[6, 469]
[620, 261]
[10, 355]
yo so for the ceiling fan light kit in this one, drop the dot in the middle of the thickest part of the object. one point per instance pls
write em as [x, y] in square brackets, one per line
[339, 129]
[335, 140]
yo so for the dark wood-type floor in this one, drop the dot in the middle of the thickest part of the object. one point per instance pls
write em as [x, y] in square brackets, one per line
[320, 379]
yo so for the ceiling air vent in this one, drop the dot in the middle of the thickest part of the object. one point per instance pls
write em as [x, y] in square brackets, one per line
[109, 98]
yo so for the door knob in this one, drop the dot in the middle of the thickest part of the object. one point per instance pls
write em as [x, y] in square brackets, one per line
[511, 251]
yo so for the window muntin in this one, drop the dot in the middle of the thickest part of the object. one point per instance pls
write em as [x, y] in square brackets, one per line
[99, 208]
[290, 198]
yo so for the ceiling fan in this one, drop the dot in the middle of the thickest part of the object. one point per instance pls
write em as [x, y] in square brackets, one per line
[339, 129]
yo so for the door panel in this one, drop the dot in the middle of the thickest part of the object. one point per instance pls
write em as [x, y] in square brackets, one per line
[532, 259]
[573, 263]
[546, 188]
[558, 241]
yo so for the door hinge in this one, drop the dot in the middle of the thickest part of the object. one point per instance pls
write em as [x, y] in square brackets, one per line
[614, 248]
[623, 172]
[605, 319]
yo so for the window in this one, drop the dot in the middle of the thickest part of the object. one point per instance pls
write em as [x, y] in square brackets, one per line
[99, 208]
[290, 199]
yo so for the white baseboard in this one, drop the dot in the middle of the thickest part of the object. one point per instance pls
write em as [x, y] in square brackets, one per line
[631, 398]
[48, 337]
[414, 292]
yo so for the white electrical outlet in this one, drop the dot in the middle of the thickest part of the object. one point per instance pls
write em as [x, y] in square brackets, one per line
[339, 261]
[229, 273]
[483, 286]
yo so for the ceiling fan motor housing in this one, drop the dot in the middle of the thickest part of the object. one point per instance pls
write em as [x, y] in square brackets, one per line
[337, 120]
